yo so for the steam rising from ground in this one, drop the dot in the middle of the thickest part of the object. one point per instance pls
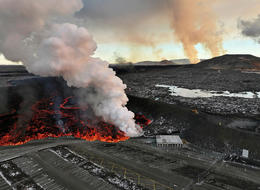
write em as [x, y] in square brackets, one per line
[194, 22]
[63, 50]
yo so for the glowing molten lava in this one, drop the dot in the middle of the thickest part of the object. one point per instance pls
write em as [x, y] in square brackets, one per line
[50, 120]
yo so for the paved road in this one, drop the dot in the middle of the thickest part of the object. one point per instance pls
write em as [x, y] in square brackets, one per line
[50, 171]
[55, 173]
[69, 175]
[169, 179]
[33, 169]
[221, 168]
[8, 153]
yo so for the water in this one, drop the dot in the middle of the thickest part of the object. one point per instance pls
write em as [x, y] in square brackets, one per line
[198, 93]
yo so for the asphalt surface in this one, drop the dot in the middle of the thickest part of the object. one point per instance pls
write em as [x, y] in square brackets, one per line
[161, 167]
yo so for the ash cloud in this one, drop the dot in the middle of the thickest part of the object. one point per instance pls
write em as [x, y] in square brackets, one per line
[131, 22]
[119, 13]
[151, 22]
[30, 34]
[194, 22]
[250, 28]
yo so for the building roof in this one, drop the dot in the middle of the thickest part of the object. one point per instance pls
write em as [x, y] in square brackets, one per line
[168, 139]
[245, 153]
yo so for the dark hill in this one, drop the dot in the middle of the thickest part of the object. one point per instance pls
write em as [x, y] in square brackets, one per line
[234, 62]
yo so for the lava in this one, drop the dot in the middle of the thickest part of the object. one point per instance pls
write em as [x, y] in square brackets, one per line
[48, 120]
[142, 120]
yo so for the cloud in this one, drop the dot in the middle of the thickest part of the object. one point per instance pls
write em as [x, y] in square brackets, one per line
[251, 28]
[121, 12]
[149, 23]
[130, 22]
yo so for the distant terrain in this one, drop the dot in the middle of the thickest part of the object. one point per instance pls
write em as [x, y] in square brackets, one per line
[165, 62]
[232, 62]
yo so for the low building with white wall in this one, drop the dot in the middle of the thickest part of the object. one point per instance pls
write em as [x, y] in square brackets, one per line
[169, 141]
[245, 153]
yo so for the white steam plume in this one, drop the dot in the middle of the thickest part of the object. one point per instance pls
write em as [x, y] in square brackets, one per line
[19, 18]
[63, 50]
[67, 52]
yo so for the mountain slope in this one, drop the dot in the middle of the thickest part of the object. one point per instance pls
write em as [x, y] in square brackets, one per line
[234, 62]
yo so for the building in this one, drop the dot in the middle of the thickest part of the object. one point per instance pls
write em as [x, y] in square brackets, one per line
[169, 141]
[245, 153]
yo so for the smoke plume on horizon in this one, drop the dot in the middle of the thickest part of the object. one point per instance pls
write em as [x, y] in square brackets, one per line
[194, 22]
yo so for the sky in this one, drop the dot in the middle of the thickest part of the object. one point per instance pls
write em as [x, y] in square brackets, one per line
[169, 29]
[4, 61]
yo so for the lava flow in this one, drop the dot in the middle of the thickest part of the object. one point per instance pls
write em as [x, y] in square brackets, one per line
[51, 120]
